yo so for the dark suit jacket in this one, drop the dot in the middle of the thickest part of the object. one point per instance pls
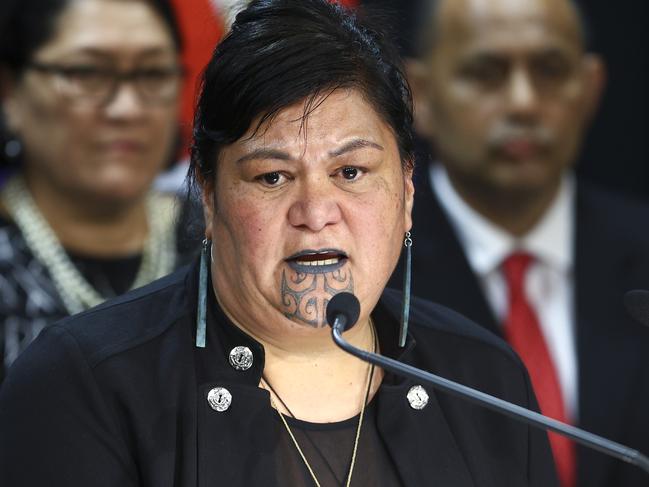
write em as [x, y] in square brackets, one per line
[116, 396]
[611, 257]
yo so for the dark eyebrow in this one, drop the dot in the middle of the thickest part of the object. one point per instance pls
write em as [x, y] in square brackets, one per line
[354, 145]
[265, 154]
[107, 54]
[284, 156]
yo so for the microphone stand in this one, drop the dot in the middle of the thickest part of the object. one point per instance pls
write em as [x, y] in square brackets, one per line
[624, 453]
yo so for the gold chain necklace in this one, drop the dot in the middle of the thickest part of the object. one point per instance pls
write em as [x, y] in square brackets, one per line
[370, 374]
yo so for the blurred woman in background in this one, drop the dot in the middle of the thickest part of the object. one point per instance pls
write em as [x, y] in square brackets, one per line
[90, 98]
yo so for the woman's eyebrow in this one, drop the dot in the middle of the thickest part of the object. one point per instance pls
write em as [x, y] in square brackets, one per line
[354, 145]
[265, 154]
[108, 52]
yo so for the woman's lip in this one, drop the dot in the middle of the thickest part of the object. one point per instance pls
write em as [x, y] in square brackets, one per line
[312, 253]
[123, 146]
[313, 267]
[320, 261]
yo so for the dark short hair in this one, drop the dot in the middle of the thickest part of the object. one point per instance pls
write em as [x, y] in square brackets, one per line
[280, 52]
[27, 25]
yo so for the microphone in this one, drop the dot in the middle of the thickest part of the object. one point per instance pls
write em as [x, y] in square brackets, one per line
[343, 311]
[637, 305]
[345, 308]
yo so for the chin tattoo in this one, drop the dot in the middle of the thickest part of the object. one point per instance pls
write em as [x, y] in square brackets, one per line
[305, 295]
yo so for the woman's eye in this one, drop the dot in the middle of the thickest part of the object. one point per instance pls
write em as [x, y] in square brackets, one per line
[350, 173]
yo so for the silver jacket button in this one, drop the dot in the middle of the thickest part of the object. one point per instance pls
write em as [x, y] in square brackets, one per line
[417, 397]
[219, 399]
[241, 358]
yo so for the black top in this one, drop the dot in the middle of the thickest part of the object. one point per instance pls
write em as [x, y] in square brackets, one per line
[118, 396]
[328, 448]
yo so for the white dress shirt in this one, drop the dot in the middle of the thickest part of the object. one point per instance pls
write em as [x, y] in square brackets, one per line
[549, 282]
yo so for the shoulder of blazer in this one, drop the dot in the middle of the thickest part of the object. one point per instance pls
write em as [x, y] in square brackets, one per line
[131, 319]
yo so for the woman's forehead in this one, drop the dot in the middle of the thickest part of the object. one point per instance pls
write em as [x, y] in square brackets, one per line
[109, 27]
[331, 123]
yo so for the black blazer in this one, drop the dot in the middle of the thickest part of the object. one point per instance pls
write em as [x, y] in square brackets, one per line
[611, 257]
[117, 396]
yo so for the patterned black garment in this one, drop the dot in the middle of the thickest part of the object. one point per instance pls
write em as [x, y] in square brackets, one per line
[29, 300]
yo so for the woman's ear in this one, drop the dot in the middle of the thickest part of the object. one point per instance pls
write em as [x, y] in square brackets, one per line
[409, 196]
[208, 202]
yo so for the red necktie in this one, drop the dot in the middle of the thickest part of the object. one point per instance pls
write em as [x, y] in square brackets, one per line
[523, 332]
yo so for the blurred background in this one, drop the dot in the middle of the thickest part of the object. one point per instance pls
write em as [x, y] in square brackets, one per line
[616, 152]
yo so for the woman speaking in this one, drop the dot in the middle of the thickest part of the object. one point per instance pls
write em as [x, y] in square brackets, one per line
[226, 373]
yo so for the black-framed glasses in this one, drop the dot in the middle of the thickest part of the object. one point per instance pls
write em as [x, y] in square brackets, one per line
[159, 84]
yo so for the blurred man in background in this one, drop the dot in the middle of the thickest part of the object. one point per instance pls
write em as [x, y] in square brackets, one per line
[505, 234]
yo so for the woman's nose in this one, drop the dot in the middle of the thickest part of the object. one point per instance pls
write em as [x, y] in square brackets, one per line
[125, 102]
[316, 205]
